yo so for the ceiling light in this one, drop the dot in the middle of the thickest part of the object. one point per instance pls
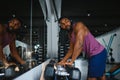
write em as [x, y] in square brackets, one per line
[88, 14]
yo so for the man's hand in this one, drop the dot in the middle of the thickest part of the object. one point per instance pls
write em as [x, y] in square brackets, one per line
[9, 64]
[70, 63]
[62, 63]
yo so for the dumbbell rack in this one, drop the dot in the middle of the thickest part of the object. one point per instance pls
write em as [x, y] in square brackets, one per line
[62, 51]
[63, 44]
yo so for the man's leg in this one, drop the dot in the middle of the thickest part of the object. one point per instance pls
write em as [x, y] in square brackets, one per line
[97, 66]
[103, 77]
[91, 79]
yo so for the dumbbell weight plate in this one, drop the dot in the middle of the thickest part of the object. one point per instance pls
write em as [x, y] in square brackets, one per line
[10, 71]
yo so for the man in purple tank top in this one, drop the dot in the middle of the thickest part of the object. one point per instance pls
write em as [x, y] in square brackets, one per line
[82, 40]
[7, 37]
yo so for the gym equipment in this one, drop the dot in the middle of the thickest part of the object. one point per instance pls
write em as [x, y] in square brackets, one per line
[108, 47]
[9, 72]
[63, 44]
[110, 53]
[74, 72]
[61, 71]
[58, 72]
[31, 63]
[67, 73]
[49, 72]
[113, 71]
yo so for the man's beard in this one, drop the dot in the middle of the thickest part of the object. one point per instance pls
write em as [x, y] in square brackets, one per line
[11, 30]
[70, 29]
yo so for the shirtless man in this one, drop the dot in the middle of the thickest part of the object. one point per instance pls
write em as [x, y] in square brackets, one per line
[81, 39]
[7, 37]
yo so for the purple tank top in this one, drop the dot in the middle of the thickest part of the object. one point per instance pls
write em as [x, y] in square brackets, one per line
[90, 46]
[6, 38]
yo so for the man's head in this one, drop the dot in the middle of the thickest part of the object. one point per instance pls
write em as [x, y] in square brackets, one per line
[65, 23]
[14, 23]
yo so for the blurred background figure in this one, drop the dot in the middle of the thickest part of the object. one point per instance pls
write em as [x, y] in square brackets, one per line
[8, 34]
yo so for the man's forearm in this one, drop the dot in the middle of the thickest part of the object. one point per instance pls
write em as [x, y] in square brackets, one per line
[67, 56]
[77, 50]
[2, 56]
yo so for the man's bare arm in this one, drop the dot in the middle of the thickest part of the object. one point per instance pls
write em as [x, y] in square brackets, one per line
[2, 56]
[13, 47]
[80, 32]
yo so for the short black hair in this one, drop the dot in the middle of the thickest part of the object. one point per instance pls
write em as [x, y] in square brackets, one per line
[62, 18]
[17, 18]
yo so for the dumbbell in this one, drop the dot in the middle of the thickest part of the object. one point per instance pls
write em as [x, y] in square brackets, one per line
[10, 71]
[49, 72]
[75, 73]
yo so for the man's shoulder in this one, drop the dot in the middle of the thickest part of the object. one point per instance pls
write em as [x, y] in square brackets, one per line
[79, 23]
[2, 28]
[2, 25]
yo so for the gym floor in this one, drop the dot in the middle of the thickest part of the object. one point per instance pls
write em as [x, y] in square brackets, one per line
[82, 64]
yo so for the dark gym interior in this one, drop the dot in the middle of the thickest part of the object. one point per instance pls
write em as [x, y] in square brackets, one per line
[102, 18]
